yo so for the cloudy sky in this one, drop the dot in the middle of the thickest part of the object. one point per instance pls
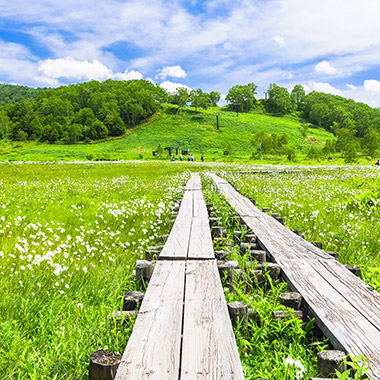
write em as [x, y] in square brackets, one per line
[325, 45]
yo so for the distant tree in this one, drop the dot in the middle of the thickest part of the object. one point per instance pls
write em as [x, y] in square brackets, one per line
[214, 98]
[199, 99]
[241, 97]
[279, 101]
[114, 125]
[329, 147]
[371, 142]
[298, 96]
[263, 142]
[303, 130]
[4, 124]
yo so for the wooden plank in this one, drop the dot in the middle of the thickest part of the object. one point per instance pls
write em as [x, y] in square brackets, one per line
[199, 205]
[209, 347]
[345, 309]
[153, 350]
[177, 244]
[200, 246]
[194, 183]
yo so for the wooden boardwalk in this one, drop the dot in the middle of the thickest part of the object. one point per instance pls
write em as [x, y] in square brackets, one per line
[183, 330]
[344, 307]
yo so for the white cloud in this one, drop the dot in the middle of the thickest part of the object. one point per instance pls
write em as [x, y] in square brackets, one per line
[279, 41]
[171, 87]
[52, 69]
[351, 86]
[372, 85]
[171, 71]
[325, 67]
[322, 87]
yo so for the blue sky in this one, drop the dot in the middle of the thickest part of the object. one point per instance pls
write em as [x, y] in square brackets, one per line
[325, 45]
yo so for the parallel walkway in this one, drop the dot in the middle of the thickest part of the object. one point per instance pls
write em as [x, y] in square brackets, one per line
[344, 307]
[183, 330]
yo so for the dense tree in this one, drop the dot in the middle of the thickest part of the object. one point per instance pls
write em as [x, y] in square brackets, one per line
[242, 98]
[10, 94]
[279, 101]
[214, 98]
[371, 142]
[298, 96]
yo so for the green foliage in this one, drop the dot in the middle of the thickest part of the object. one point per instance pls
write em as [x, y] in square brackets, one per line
[358, 368]
[279, 101]
[242, 98]
[10, 94]
[98, 109]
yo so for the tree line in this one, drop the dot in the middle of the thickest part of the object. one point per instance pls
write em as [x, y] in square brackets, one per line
[355, 125]
[96, 110]
[80, 112]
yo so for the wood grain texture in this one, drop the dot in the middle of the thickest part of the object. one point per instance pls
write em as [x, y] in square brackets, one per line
[177, 244]
[153, 350]
[200, 246]
[209, 347]
[345, 309]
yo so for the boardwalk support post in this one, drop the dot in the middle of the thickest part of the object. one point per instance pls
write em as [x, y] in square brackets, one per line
[291, 299]
[103, 365]
[331, 360]
[144, 270]
[132, 300]
[237, 311]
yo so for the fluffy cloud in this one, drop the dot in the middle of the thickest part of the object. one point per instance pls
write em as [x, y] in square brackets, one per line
[278, 40]
[171, 71]
[372, 85]
[69, 68]
[171, 87]
[325, 67]
[322, 87]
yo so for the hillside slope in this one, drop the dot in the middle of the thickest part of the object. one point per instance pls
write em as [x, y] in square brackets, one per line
[189, 130]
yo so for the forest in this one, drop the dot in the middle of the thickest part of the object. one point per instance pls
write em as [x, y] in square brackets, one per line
[95, 110]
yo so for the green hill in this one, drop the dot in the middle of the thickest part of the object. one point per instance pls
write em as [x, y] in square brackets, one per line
[189, 130]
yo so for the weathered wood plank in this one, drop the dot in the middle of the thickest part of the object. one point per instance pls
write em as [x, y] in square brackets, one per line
[176, 247]
[345, 309]
[209, 348]
[200, 246]
[194, 183]
[153, 350]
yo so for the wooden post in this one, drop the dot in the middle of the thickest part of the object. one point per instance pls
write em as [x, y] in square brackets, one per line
[237, 311]
[214, 221]
[297, 232]
[291, 299]
[318, 244]
[217, 231]
[276, 215]
[226, 269]
[247, 247]
[163, 237]
[357, 271]
[274, 270]
[329, 361]
[281, 219]
[283, 314]
[257, 276]
[250, 238]
[221, 255]
[266, 209]
[258, 255]
[144, 270]
[237, 236]
[335, 255]
[103, 365]
[132, 300]
[152, 254]
[120, 318]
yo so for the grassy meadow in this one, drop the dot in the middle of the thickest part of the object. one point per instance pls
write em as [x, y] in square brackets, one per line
[189, 130]
[70, 234]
